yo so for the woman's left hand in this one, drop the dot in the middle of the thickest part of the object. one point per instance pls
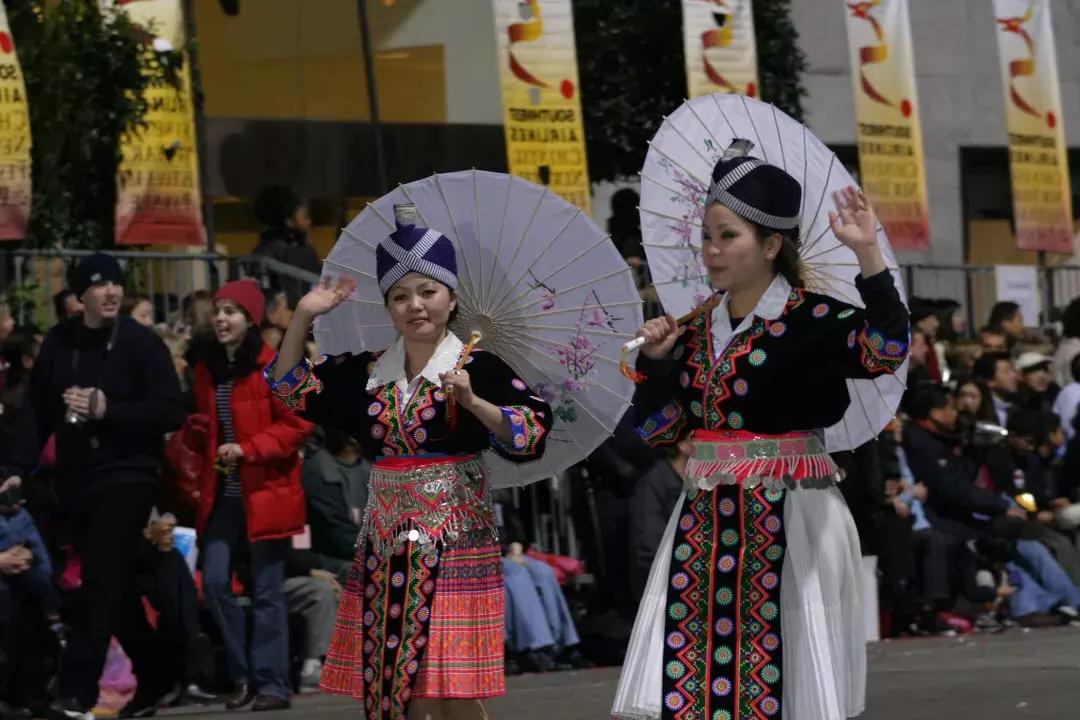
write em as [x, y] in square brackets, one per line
[458, 383]
[230, 453]
[854, 221]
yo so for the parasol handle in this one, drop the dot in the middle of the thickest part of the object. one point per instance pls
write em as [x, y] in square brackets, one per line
[705, 307]
[636, 343]
[475, 337]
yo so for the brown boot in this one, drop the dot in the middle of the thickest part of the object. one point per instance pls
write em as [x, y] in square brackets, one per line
[264, 703]
[242, 696]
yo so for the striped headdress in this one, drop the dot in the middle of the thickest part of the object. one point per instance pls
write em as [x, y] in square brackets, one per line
[755, 190]
[414, 249]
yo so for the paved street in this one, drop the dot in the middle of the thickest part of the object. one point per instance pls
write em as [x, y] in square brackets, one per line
[1019, 675]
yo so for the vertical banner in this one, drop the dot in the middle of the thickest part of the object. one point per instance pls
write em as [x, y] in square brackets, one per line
[887, 119]
[545, 134]
[14, 140]
[1038, 158]
[719, 46]
[158, 200]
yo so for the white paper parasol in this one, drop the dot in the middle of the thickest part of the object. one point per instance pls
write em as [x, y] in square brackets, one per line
[674, 184]
[546, 288]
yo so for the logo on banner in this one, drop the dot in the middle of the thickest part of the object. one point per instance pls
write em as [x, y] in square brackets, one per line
[721, 37]
[530, 30]
[872, 54]
[1023, 67]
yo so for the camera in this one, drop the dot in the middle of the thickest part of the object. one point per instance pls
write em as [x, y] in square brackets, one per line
[73, 418]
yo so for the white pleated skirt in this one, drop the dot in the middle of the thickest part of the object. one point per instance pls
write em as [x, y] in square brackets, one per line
[822, 635]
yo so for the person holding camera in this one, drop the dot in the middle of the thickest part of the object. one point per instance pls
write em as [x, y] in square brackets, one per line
[105, 387]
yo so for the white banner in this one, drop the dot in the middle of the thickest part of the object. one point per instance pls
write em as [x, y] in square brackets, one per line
[719, 46]
[1038, 156]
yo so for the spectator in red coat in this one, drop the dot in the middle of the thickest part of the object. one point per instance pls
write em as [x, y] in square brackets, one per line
[250, 496]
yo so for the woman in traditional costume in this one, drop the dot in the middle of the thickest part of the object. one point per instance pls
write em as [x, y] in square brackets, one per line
[421, 618]
[752, 606]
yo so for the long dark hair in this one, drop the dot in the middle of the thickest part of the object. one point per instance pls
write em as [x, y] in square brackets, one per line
[245, 360]
[787, 262]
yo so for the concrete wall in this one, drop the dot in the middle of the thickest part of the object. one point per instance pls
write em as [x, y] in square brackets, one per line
[465, 29]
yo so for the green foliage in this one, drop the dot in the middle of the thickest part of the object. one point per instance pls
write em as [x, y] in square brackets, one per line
[780, 61]
[86, 71]
[630, 58]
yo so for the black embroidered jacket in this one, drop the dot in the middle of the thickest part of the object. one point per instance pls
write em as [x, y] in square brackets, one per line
[776, 376]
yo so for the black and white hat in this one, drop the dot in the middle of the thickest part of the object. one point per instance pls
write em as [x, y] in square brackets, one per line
[756, 191]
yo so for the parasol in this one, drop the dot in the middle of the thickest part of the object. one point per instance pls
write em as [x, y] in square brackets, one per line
[546, 289]
[674, 184]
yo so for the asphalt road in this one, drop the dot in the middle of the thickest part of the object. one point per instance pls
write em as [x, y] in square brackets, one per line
[1032, 675]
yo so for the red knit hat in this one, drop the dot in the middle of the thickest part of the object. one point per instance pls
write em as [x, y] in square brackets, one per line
[245, 293]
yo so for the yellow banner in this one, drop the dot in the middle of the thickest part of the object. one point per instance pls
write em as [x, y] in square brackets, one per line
[891, 165]
[719, 46]
[1038, 158]
[545, 135]
[158, 198]
[14, 140]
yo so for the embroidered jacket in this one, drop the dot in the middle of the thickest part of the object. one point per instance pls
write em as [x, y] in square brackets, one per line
[368, 397]
[783, 369]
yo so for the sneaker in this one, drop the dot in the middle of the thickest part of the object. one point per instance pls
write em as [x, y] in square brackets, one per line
[309, 675]
[1068, 611]
[988, 623]
[146, 704]
[538, 661]
[196, 693]
[572, 656]
[68, 710]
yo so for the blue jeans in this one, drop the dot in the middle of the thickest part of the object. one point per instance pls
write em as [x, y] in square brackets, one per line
[268, 668]
[536, 612]
[1049, 587]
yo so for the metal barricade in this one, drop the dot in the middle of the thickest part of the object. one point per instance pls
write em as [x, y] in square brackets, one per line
[31, 278]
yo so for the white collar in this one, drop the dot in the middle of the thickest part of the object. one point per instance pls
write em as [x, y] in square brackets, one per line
[390, 367]
[769, 306]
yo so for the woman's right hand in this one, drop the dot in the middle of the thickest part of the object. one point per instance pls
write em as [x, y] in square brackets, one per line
[660, 335]
[325, 296]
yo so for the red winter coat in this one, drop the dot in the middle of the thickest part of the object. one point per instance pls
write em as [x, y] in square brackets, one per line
[271, 436]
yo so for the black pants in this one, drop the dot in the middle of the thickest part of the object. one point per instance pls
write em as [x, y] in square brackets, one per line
[28, 651]
[164, 579]
[915, 565]
[106, 529]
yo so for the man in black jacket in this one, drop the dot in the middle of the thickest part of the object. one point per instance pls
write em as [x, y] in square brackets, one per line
[106, 388]
[959, 506]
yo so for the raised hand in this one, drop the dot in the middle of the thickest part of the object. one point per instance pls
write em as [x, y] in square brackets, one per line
[855, 226]
[326, 295]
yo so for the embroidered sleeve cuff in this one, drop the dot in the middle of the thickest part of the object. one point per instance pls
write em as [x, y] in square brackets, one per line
[879, 354]
[526, 432]
[664, 426]
[297, 383]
